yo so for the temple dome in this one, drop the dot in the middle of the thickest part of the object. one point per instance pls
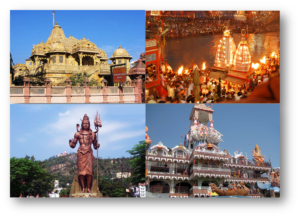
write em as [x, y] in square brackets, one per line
[57, 47]
[57, 34]
[120, 53]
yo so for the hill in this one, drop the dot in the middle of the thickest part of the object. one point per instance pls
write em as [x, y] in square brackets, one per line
[65, 167]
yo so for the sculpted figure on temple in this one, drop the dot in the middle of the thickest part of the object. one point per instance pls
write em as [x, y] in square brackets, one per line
[148, 140]
[241, 190]
[85, 157]
[258, 158]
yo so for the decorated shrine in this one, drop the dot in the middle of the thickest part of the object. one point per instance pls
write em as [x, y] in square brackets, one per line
[242, 59]
[199, 168]
[225, 51]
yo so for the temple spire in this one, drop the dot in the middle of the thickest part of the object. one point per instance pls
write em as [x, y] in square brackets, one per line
[53, 17]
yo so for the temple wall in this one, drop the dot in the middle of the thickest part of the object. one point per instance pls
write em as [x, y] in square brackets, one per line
[82, 94]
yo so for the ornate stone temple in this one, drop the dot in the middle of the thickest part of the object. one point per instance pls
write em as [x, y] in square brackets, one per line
[60, 57]
[189, 169]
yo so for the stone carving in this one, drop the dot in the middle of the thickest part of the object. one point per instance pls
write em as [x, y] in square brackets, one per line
[37, 91]
[16, 90]
[58, 91]
[241, 190]
[77, 90]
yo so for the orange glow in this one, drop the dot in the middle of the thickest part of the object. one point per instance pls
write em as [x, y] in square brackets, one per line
[203, 66]
[180, 70]
[255, 66]
[263, 61]
[186, 71]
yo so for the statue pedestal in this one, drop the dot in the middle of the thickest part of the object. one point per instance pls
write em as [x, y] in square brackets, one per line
[76, 190]
[86, 195]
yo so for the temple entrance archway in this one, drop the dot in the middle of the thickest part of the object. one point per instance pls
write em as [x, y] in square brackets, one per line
[86, 60]
[159, 187]
[184, 187]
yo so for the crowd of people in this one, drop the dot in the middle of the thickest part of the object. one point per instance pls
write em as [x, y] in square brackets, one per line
[184, 26]
[179, 88]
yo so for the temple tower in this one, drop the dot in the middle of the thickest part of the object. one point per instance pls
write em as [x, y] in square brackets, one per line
[225, 50]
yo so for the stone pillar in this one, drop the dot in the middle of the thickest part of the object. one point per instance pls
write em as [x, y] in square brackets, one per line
[104, 91]
[200, 182]
[48, 90]
[172, 190]
[121, 94]
[26, 90]
[136, 94]
[80, 58]
[87, 90]
[68, 90]
[139, 87]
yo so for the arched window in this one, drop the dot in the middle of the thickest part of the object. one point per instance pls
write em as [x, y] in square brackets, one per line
[210, 164]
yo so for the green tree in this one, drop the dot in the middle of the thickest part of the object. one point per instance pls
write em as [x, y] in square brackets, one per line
[78, 79]
[137, 163]
[29, 177]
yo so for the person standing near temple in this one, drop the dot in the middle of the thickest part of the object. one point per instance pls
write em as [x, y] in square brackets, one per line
[196, 81]
[171, 92]
[190, 87]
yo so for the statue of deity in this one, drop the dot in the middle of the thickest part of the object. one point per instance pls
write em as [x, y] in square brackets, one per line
[258, 158]
[85, 157]
[148, 140]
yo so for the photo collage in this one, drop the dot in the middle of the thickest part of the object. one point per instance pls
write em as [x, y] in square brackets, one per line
[144, 104]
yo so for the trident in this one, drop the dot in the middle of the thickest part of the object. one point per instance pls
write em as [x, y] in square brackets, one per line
[97, 123]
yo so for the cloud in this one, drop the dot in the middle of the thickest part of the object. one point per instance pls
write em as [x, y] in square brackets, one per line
[36, 107]
[108, 48]
[126, 135]
[21, 139]
[64, 114]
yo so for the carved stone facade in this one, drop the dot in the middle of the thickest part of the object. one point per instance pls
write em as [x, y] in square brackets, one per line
[60, 57]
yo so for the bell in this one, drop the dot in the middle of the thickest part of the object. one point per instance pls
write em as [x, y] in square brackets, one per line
[209, 146]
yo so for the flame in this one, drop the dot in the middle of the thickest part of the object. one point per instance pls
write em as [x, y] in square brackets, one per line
[274, 55]
[186, 71]
[180, 70]
[203, 66]
[255, 66]
[263, 61]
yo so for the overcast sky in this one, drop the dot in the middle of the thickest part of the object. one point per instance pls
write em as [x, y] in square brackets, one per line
[242, 125]
[44, 130]
[107, 29]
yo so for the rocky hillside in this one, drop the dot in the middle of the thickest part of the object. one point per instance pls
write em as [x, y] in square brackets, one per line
[65, 167]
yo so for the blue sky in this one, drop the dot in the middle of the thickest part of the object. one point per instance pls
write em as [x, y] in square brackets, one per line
[108, 29]
[242, 125]
[45, 130]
